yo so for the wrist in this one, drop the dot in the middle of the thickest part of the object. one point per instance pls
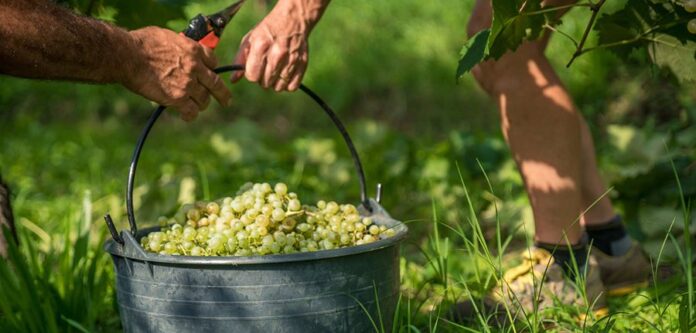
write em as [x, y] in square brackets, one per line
[132, 59]
[303, 13]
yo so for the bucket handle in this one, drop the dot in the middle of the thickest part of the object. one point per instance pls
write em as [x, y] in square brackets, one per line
[155, 115]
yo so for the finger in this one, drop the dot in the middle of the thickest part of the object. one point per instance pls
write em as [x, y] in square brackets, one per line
[285, 76]
[199, 94]
[208, 57]
[214, 84]
[256, 62]
[240, 59]
[275, 62]
[297, 79]
[281, 84]
[188, 110]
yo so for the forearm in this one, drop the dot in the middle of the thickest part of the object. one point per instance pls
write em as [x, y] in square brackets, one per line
[42, 40]
[304, 12]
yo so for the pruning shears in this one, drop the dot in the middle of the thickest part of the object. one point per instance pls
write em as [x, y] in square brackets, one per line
[206, 29]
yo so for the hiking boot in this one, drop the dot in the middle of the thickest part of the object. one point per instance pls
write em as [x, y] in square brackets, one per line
[624, 274]
[539, 283]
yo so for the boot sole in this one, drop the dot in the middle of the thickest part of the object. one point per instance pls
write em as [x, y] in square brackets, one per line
[623, 290]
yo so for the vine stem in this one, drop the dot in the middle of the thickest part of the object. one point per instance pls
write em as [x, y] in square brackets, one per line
[637, 38]
[595, 10]
[554, 8]
[549, 27]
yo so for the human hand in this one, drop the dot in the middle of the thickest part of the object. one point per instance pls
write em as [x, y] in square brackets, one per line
[174, 71]
[275, 53]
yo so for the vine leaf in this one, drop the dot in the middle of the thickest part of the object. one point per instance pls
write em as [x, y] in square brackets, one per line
[472, 53]
[512, 24]
[668, 51]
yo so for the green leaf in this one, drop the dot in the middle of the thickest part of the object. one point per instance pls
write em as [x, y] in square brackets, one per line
[473, 52]
[667, 51]
[512, 24]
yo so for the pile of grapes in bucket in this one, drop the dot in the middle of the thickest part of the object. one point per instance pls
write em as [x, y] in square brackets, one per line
[262, 219]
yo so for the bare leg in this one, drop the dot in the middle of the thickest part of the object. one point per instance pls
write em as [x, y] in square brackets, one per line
[595, 198]
[548, 138]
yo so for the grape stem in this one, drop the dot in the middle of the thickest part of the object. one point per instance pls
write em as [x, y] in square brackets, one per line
[578, 50]
[295, 213]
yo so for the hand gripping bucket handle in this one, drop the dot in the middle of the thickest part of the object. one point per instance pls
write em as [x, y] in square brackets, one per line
[155, 115]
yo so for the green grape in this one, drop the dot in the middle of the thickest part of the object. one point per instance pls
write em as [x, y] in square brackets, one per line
[262, 220]
[289, 224]
[312, 246]
[169, 247]
[263, 249]
[193, 214]
[215, 244]
[294, 205]
[237, 206]
[266, 188]
[231, 245]
[332, 208]
[155, 245]
[374, 230]
[303, 227]
[278, 215]
[359, 227]
[327, 244]
[691, 26]
[177, 227]
[368, 239]
[162, 221]
[290, 240]
[267, 240]
[279, 237]
[197, 251]
[212, 208]
[267, 210]
[281, 189]
[690, 6]
[288, 249]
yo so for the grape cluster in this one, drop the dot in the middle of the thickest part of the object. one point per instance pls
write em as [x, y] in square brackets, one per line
[262, 220]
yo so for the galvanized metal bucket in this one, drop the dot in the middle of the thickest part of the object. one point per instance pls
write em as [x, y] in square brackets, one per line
[352, 289]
